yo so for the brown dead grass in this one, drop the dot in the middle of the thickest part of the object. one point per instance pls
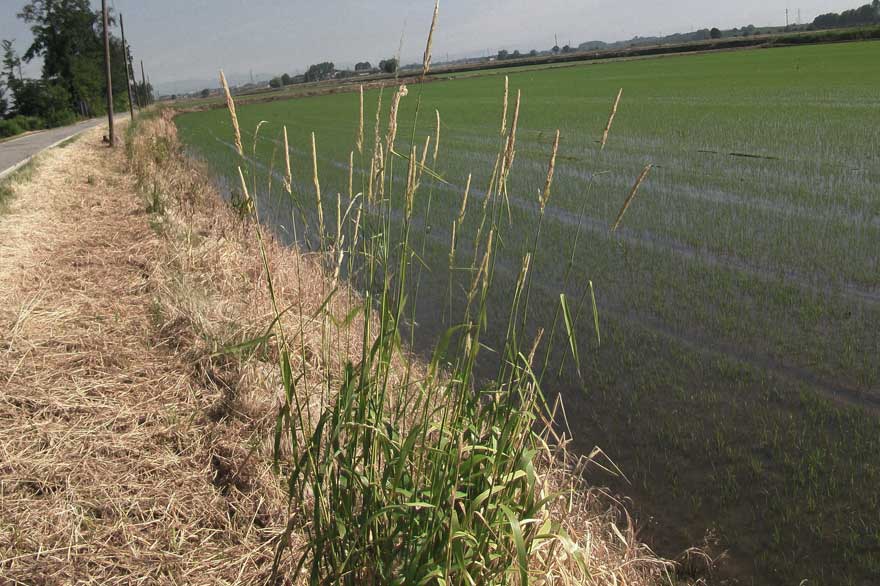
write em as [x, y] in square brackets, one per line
[132, 446]
[116, 461]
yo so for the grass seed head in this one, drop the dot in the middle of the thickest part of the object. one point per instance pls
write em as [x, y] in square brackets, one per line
[317, 188]
[632, 195]
[288, 173]
[545, 195]
[350, 175]
[392, 119]
[504, 107]
[452, 245]
[426, 62]
[464, 200]
[412, 180]
[611, 119]
[510, 148]
[360, 136]
[535, 344]
[437, 138]
[421, 168]
[231, 105]
[376, 162]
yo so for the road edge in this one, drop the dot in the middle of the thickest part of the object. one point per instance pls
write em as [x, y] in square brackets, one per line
[25, 161]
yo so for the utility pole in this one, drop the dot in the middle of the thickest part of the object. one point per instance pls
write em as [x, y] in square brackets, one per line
[137, 93]
[109, 75]
[144, 79]
[127, 73]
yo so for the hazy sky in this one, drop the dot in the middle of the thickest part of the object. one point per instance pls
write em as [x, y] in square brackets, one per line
[192, 39]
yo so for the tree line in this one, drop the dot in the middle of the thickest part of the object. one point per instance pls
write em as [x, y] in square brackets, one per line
[866, 14]
[68, 37]
[327, 70]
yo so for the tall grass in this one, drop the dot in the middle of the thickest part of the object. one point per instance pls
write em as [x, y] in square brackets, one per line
[410, 471]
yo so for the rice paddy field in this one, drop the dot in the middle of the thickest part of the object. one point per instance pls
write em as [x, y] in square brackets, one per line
[735, 374]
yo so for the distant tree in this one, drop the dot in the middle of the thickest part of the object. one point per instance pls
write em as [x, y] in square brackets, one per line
[748, 31]
[533, 53]
[829, 20]
[4, 104]
[715, 33]
[286, 79]
[503, 54]
[363, 66]
[389, 65]
[515, 55]
[320, 71]
[275, 82]
[11, 63]
[567, 49]
[555, 48]
[205, 93]
[67, 37]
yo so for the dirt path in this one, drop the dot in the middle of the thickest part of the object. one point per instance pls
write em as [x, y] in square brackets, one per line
[106, 456]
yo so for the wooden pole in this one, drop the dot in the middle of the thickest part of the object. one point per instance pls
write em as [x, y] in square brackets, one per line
[144, 79]
[109, 75]
[127, 74]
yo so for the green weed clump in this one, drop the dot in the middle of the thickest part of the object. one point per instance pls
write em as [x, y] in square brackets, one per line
[19, 124]
[401, 471]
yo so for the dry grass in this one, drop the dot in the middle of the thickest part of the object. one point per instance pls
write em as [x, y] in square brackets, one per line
[426, 64]
[136, 442]
[116, 459]
[611, 119]
[632, 194]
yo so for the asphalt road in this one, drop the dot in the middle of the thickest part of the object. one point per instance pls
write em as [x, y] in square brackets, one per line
[16, 152]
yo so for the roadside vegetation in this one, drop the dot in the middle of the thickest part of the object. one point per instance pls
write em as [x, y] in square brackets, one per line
[372, 442]
[451, 469]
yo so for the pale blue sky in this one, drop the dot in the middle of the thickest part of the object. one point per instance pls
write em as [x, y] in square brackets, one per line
[192, 39]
